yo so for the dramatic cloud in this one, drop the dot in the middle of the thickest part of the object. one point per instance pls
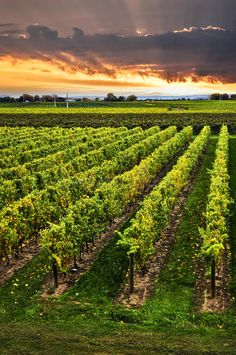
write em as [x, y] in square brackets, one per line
[120, 16]
[206, 53]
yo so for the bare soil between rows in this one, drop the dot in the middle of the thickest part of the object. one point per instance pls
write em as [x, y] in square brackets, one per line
[12, 265]
[222, 300]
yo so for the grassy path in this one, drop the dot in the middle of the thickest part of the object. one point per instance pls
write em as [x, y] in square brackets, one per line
[106, 275]
[88, 338]
[19, 292]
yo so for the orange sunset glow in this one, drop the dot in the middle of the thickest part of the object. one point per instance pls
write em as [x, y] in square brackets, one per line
[149, 48]
[33, 75]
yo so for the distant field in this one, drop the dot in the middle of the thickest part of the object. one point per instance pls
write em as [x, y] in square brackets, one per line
[152, 106]
[130, 114]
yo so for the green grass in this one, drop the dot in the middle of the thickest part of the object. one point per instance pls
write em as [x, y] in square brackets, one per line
[18, 293]
[105, 277]
[100, 338]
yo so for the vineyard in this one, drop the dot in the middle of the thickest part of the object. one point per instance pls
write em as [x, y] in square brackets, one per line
[120, 226]
[145, 114]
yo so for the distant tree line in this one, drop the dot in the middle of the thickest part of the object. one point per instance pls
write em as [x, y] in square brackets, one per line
[51, 98]
[31, 98]
[109, 98]
[113, 98]
[218, 96]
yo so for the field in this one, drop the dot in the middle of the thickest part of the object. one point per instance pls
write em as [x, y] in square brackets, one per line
[130, 114]
[121, 239]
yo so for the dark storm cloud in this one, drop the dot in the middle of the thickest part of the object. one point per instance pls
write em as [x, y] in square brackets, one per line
[168, 15]
[41, 33]
[6, 25]
[9, 28]
[120, 16]
[206, 53]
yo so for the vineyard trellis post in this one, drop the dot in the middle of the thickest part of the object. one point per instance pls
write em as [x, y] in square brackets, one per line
[213, 277]
[55, 272]
[131, 273]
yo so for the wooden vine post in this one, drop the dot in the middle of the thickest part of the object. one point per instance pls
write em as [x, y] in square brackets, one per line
[213, 277]
[131, 273]
[55, 272]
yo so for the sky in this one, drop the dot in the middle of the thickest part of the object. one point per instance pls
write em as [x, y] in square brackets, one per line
[91, 47]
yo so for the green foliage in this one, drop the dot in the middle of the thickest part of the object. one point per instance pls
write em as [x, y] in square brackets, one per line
[215, 233]
[69, 148]
[155, 210]
[111, 199]
[232, 164]
[25, 217]
[173, 299]
[67, 164]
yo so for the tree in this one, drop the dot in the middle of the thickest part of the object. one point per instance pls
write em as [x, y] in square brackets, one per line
[47, 98]
[62, 99]
[121, 98]
[215, 96]
[86, 99]
[110, 97]
[26, 98]
[7, 99]
[233, 97]
[131, 98]
[224, 97]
